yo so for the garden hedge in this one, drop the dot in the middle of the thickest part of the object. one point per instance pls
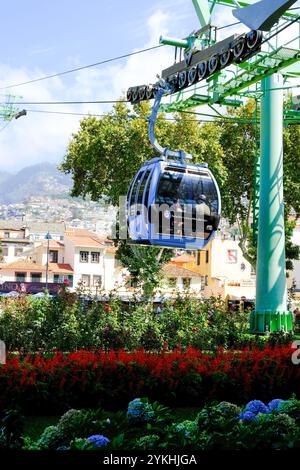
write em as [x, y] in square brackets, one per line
[55, 382]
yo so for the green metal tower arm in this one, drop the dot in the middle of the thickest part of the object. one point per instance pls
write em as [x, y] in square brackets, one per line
[202, 11]
[243, 3]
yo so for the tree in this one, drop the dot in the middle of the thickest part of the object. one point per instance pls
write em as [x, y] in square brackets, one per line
[104, 155]
[239, 140]
[144, 264]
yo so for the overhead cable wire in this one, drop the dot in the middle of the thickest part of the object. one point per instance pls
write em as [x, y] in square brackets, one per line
[67, 102]
[229, 25]
[220, 119]
[83, 67]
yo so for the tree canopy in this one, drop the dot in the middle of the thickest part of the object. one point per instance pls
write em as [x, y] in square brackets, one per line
[104, 155]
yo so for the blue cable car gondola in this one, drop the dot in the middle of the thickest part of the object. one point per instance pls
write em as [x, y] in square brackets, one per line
[172, 203]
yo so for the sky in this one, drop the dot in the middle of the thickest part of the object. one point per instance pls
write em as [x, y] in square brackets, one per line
[42, 38]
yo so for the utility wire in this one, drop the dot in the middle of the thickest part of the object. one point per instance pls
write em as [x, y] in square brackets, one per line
[107, 61]
[67, 102]
[58, 74]
[220, 118]
[229, 25]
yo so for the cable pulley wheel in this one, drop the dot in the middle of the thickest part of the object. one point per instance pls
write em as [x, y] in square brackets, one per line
[192, 76]
[213, 64]
[142, 93]
[239, 48]
[135, 94]
[225, 58]
[202, 70]
[149, 92]
[253, 38]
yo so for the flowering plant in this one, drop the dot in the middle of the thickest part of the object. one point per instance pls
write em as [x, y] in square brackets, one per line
[98, 440]
[140, 411]
[256, 406]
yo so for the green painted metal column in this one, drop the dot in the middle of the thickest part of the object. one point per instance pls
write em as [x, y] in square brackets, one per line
[271, 294]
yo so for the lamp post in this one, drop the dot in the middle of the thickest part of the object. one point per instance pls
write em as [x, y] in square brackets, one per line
[48, 238]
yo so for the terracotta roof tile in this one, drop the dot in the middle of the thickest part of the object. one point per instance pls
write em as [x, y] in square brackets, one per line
[60, 268]
[185, 258]
[23, 264]
[171, 270]
[86, 242]
[54, 244]
[29, 265]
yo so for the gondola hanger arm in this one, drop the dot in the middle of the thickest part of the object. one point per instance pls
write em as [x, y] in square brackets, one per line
[163, 88]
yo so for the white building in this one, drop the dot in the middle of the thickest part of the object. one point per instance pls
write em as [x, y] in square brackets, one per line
[82, 258]
[92, 260]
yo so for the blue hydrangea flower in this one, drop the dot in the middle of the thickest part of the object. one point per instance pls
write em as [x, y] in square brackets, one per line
[139, 411]
[274, 404]
[98, 440]
[187, 427]
[256, 406]
[247, 416]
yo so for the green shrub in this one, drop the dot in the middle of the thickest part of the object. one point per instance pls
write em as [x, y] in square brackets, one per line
[68, 323]
[147, 442]
[50, 439]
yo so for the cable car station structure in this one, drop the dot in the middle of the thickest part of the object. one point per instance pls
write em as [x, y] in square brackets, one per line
[256, 64]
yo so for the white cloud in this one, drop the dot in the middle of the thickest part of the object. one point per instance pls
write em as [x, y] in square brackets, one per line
[41, 137]
[44, 137]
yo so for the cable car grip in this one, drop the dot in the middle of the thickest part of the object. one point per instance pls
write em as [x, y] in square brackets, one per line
[163, 88]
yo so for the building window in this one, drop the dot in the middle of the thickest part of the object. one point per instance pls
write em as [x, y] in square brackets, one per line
[202, 282]
[86, 279]
[207, 256]
[53, 256]
[36, 277]
[84, 257]
[20, 277]
[18, 251]
[97, 281]
[6, 235]
[4, 251]
[198, 258]
[186, 281]
[206, 280]
[172, 281]
[95, 257]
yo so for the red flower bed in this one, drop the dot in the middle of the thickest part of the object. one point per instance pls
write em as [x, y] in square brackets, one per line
[111, 379]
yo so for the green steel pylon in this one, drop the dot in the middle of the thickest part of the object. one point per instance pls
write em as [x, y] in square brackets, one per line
[8, 110]
[271, 296]
[256, 177]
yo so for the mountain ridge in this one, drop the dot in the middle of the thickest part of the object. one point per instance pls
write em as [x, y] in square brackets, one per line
[41, 179]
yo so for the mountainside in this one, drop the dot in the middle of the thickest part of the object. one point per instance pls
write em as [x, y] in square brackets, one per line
[43, 179]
